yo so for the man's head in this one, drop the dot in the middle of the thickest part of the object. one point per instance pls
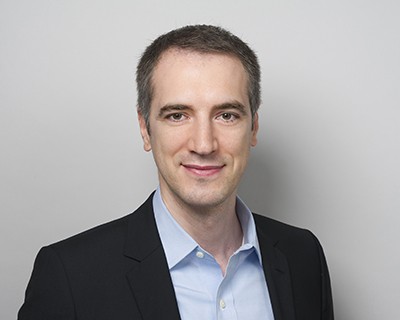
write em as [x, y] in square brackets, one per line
[201, 39]
[201, 110]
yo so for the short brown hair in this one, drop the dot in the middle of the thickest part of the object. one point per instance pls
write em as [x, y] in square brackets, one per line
[198, 38]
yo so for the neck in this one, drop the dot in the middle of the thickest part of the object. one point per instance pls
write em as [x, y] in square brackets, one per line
[215, 228]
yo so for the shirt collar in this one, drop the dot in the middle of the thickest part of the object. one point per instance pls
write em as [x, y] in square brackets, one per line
[178, 243]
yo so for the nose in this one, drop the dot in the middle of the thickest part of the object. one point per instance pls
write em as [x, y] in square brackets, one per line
[202, 138]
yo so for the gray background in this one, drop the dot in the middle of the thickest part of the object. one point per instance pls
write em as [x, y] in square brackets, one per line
[328, 154]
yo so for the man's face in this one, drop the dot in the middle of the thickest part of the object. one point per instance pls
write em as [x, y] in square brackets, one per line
[200, 127]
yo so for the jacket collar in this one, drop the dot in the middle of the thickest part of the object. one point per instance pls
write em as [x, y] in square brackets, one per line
[149, 276]
[277, 274]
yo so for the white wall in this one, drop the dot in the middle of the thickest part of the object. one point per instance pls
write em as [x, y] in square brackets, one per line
[328, 154]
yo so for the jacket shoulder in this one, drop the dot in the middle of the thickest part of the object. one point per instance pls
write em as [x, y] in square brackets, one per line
[286, 237]
[277, 229]
[305, 262]
[107, 237]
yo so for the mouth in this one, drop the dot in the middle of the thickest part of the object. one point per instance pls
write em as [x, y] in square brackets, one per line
[203, 171]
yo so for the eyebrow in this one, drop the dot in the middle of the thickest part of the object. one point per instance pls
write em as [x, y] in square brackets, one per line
[173, 107]
[236, 105]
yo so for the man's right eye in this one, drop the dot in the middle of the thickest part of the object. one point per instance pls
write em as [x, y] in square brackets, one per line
[176, 116]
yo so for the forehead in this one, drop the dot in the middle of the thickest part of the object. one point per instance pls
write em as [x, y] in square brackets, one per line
[182, 73]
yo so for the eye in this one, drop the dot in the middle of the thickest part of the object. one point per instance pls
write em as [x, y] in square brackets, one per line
[228, 117]
[176, 116]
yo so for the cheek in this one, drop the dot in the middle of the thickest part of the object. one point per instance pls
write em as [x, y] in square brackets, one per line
[236, 144]
[167, 142]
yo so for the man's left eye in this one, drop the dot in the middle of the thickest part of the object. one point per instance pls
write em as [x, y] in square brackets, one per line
[226, 116]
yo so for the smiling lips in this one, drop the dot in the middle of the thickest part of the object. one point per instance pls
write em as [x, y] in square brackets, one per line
[203, 171]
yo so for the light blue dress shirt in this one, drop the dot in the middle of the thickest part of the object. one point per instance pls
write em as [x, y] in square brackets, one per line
[201, 289]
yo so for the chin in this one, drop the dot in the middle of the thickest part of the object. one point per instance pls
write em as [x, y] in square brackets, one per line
[205, 198]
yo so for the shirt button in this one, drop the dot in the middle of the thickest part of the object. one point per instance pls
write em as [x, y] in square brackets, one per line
[199, 254]
[222, 304]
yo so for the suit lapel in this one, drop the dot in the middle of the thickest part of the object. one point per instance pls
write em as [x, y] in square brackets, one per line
[149, 277]
[277, 273]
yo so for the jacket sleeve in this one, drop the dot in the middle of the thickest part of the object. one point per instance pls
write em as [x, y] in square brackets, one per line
[48, 295]
[326, 294]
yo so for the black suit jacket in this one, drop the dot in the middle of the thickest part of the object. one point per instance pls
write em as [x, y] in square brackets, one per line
[118, 271]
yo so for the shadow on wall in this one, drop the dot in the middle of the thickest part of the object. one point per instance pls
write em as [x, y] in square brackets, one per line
[261, 188]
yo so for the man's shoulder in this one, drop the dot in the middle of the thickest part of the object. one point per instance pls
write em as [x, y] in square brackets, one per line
[278, 231]
[103, 237]
[104, 232]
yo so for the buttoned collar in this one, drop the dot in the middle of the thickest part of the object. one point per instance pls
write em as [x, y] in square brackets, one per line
[178, 243]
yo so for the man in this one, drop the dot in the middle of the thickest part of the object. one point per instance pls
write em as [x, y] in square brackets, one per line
[193, 250]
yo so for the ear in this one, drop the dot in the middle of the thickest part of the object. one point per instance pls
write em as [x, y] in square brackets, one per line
[144, 132]
[254, 132]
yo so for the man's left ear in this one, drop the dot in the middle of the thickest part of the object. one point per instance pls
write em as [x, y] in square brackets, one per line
[254, 130]
[144, 132]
